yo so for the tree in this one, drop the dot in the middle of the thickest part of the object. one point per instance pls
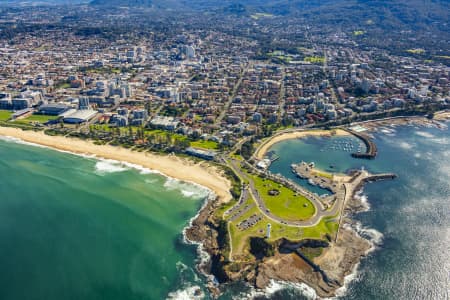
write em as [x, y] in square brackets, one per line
[247, 149]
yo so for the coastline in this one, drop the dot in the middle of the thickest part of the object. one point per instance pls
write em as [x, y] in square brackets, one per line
[196, 232]
[201, 232]
[168, 165]
[263, 148]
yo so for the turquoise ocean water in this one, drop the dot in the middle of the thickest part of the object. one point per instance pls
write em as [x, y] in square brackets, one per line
[77, 228]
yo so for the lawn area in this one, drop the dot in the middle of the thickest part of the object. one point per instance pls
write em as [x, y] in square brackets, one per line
[148, 132]
[36, 119]
[323, 174]
[358, 32]
[5, 115]
[416, 51]
[257, 16]
[315, 59]
[209, 145]
[287, 204]
[64, 85]
[240, 238]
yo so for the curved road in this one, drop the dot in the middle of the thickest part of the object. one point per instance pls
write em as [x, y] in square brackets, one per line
[319, 212]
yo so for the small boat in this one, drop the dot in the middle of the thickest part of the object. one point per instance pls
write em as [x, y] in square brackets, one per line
[311, 182]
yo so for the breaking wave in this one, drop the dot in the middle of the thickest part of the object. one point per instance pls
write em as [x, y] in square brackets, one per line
[106, 166]
[188, 293]
[275, 287]
[187, 189]
[424, 134]
[405, 145]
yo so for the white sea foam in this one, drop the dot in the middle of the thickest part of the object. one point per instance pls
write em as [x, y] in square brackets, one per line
[187, 293]
[354, 275]
[405, 145]
[103, 165]
[151, 181]
[441, 141]
[424, 134]
[388, 131]
[372, 235]
[276, 286]
[363, 199]
[305, 290]
[106, 166]
[187, 189]
[11, 139]
[375, 239]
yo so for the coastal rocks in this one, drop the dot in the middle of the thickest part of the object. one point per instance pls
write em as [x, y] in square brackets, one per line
[325, 274]
[286, 262]
[292, 268]
[341, 257]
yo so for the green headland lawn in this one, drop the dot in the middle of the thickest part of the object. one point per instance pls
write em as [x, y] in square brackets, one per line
[287, 204]
[5, 115]
[240, 238]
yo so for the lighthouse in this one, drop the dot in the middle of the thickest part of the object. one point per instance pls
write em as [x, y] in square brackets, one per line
[269, 226]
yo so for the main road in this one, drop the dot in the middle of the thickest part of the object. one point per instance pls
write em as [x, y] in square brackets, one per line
[348, 188]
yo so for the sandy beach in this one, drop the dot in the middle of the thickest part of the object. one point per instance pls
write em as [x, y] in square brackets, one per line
[170, 165]
[442, 116]
[263, 148]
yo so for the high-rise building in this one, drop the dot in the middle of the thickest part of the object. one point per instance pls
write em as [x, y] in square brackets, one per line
[83, 103]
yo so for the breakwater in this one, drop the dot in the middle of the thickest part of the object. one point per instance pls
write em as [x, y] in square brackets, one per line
[371, 147]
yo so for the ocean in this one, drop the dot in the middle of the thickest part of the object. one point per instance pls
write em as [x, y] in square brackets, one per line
[79, 228]
[75, 227]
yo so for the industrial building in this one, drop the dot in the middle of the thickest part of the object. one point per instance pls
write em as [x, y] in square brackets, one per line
[54, 109]
[205, 154]
[80, 116]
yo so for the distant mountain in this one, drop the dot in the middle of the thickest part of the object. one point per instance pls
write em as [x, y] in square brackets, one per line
[130, 3]
[41, 2]
[387, 13]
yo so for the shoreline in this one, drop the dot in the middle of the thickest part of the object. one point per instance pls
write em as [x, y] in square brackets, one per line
[277, 138]
[171, 166]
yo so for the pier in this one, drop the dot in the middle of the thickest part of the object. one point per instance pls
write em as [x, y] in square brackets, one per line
[371, 147]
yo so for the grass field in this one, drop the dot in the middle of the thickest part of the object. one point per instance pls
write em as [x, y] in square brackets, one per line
[416, 51]
[240, 238]
[257, 16]
[287, 205]
[315, 59]
[5, 115]
[209, 145]
[156, 133]
[323, 174]
[36, 119]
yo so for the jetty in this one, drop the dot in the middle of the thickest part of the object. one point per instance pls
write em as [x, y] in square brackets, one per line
[371, 147]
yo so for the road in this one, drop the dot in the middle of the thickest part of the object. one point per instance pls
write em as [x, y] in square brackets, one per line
[232, 96]
[348, 190]
[281, 99]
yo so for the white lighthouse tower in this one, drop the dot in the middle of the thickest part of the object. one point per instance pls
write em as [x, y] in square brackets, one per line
[269, 226]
